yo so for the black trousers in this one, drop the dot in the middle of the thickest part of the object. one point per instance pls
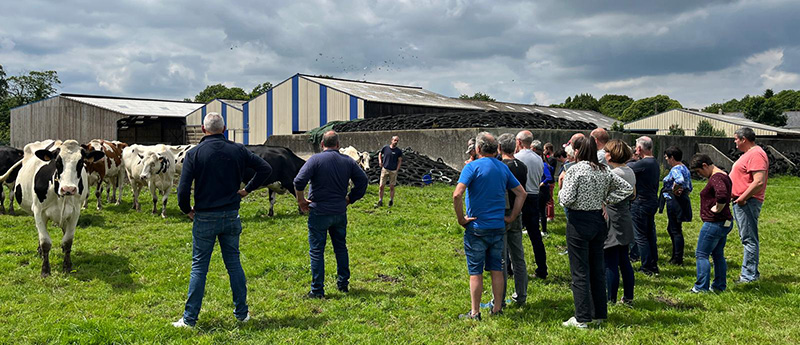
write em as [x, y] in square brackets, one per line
[679, 210]
[644, 233]
[530, 220]
[544, 198]
[586, 234]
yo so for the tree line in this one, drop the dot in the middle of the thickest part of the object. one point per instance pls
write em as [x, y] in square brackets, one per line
[23, 89]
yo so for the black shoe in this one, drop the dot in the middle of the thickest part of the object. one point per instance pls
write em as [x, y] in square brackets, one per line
[314, 295]
[498, 313]
[391, 202]
[343, 288]
[469, 316]
[540, 276]
[379, 203]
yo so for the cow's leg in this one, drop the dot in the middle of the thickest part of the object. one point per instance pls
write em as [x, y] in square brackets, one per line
[44, 241]
[154, 193]
[99, 194]
[2, 197]
[118, 186]
[11, 200]
[66, 247]
[271, 203]
[165, 195]
[135, 187]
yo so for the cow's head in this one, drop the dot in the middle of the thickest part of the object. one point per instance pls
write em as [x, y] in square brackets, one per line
[69, 162]
[154, 163]
[363, 160]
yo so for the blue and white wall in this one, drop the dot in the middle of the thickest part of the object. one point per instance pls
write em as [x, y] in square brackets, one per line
[234, 119]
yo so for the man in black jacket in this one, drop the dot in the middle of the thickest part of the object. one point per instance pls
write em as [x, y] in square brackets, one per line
[216, 166]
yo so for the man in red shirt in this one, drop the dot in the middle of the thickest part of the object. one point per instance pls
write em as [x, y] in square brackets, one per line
[749, 177]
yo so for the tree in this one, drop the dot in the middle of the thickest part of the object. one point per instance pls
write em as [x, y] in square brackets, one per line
[479, 96]
[3, 84]
[212, 92]
[259, 89]
[32, 87]
[617, 127]
[705, 129]
[649, 106]
[768, 93]
[787, 100]
[764, 110]
[583, 101]
[613, 105]
[676, 130]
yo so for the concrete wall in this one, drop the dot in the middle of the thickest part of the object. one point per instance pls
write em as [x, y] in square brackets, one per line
[451, 144]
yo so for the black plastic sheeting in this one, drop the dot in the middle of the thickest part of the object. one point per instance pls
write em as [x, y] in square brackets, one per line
[463, 119]
[776, 166]
[414, 168]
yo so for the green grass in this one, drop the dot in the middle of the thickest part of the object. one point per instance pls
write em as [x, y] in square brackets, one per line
[409, 281]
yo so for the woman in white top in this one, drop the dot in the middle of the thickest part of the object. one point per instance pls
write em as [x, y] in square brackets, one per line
[588, 186]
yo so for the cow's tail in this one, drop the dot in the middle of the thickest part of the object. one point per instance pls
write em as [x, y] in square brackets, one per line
[11, 171]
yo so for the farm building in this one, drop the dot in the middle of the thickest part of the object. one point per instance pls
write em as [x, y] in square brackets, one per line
[231, 111]
[689, 119]
[87, 117]
[304, 102]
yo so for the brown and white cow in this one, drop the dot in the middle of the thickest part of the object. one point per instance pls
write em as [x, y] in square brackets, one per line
[108, 171]
[51, 185]
[153, 166]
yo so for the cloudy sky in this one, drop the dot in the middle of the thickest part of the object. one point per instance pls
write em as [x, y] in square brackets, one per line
[698, 52]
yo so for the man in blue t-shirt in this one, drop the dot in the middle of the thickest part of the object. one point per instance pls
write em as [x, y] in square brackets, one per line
[390, 159]
[485, 181]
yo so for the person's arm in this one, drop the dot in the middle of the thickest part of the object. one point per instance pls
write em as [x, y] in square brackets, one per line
[547, 178]
[618, 189]
[262, 169]
[519, 199]
[399, 162]
[360, 181]
[380, 158]
[458, 205]
[300, 182]
[185, 184]
[759, 181]
[722, 194]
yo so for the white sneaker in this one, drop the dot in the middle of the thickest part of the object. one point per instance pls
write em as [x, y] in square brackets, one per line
[181, 324]
[544, 234]
[573, 322]
[247, 318]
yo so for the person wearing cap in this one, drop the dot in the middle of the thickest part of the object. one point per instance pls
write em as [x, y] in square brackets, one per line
[470, 151]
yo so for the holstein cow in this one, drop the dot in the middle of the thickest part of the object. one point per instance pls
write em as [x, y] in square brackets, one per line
[8, 157]
[151, 165]
[285, 166]
[51, 185]
[362, 158]
[180, 154]
[108, 171]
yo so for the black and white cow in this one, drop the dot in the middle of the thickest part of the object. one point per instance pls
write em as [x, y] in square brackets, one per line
[8, 157]
[51, 185]
[285, 166]
[179, 152]
[151, 165]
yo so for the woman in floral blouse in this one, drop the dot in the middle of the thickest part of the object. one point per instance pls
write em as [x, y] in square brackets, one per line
[588, 186]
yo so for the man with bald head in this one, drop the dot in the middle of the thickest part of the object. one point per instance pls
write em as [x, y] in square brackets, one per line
[645, 205]
[601, 138]
[530, 209]
[330, 173]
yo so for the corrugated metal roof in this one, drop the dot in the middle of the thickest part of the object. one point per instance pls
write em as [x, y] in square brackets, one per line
[386, 93]
[742, 122]
[233, 103]
[792, 119]
[136, 106]
[569, 114]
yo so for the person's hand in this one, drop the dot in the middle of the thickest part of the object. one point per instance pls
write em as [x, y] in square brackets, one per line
[465, 220]
[243, 193]
[714, 209]
[605, 214]
[508, 219]
[740, 201]
[191, 214]
[304, 204]
[347, 199]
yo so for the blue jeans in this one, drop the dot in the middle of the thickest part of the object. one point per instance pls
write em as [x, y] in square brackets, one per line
[747, 221]
[484, 249]
[644, 230]
[318, 228]
[712, 239]
[208, 227]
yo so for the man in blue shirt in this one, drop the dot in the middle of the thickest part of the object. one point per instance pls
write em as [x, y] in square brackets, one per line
[216, 166]
[485, 181]
[390, 159]
[645, 206]
[329, 173]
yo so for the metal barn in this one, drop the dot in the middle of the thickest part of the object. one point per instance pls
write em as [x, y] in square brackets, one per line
[231, 111]
[87, 117]
[689, 119]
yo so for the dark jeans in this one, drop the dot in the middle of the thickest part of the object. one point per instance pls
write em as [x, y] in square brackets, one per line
[644, 230]
[586, 234]
[712, 239]
[208, 227]
[677, 209]
[617, 261]
[530, 220]
[318, 228]
[544, 198]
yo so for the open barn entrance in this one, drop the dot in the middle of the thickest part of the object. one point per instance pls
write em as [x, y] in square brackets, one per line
[151, 130]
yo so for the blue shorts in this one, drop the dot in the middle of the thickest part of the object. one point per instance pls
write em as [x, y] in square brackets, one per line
[484, 249]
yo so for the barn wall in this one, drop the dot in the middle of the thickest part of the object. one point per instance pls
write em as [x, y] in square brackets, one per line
[62, 119]
[234, 121]
[282, 108]
[688, 122]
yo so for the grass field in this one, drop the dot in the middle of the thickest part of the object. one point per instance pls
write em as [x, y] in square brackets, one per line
[409, 282]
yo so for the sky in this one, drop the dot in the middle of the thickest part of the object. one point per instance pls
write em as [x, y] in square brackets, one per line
[697, 52]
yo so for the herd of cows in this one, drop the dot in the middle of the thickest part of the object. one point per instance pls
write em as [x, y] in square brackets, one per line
[51, 179]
